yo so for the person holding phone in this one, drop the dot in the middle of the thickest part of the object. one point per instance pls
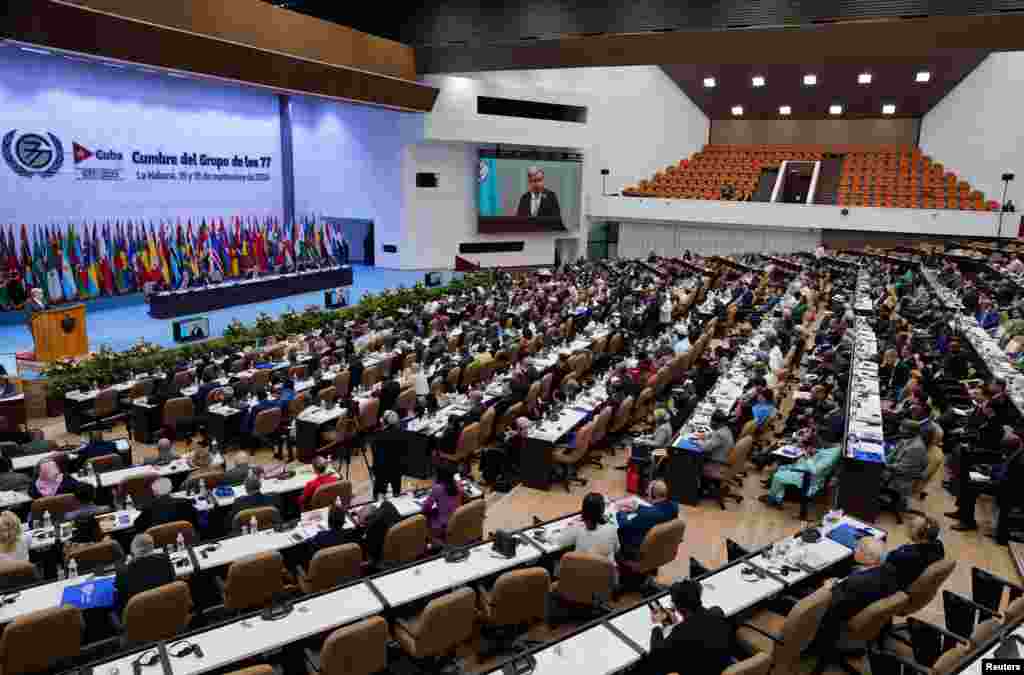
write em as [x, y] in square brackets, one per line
[698, 636]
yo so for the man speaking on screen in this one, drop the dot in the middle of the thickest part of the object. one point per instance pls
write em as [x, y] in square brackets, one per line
[538, 202]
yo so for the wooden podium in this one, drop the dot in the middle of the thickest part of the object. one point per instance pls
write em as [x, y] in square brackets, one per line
[60, 333]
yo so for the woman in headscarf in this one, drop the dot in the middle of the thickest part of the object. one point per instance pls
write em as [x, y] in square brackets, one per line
[51, 481]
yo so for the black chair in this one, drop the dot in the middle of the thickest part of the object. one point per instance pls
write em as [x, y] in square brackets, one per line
[987, 589]
[734, 551]
[962, 614]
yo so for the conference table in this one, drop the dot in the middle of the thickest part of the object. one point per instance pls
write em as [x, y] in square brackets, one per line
[863, 459]
[171, 304]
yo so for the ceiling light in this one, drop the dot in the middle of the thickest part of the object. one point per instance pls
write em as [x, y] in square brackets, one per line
[785, 110]
[864, 78]
[181, 75]
[810, 80]
[112, 65]
[757, 81]
[34, 50]
[835, 110]
[889, 109]
[923, 76]
[709, 82]
[737, 110]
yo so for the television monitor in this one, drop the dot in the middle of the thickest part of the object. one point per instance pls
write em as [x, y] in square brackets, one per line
[335, 298]
[526, 191]
[190, 330]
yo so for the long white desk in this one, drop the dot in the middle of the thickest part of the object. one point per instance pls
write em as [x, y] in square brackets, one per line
[595, 651]
[437, 575]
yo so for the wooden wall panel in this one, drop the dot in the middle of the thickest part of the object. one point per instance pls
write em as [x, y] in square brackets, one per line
[814, 132]
[265, 26]
[76, 29]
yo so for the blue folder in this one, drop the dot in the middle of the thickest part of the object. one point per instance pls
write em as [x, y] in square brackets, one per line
[847, 535]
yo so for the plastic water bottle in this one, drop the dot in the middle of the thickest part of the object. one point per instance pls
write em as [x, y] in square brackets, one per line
[253, 525]
[181, 542]
[129, 503]
[202, 489]
[72, 569]
[47, 520]
[337, 502]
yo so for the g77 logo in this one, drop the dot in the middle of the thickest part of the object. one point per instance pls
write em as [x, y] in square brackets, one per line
[33, 154]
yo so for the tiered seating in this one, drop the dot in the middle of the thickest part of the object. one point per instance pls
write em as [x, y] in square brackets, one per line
[886, 176]
[904, 177]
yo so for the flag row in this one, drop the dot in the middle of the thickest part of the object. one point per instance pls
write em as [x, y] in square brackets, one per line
[84, 261]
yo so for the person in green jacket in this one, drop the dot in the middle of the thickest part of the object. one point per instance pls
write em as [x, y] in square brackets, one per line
[816, 461]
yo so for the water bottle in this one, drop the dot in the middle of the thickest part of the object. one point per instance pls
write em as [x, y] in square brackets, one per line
[337, 502]
[129, 503]
[253, 525]
[181, 542]
[245, 529]
[202, 489]
[60, 573]
[47, 520]
[72, 569]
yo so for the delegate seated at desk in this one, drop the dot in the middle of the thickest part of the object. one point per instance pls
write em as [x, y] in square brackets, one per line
[701, 637]
[818, 462]
[148, 569]
[164, 508]
[372, 525]
[253, 498]
[52, 481]
[635, 521]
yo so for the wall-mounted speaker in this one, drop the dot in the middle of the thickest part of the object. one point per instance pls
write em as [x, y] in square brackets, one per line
[426, 180]
[390, 248]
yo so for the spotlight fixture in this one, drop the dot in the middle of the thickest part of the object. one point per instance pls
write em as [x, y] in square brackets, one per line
[737, 110]
[889, 109]
[923, 76]
[757, 80]
[864, 78]
[709, 82]
[810, 80]
[835, 110]
[785, 110]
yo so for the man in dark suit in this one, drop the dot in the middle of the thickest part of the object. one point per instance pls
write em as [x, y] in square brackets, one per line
[388, 395]
[874, 581]
[910, 560]
[147, 570]
[389, 445]
[164, 508]
[701, 636]
[252, 499]
[334, 535]
[538, 201]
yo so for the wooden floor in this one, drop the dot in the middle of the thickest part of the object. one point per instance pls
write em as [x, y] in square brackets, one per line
[750, 523]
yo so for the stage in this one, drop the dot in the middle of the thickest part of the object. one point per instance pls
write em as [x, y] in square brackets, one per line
[118, 323]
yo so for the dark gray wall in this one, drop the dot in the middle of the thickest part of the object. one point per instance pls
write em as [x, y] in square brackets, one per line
[816, 132]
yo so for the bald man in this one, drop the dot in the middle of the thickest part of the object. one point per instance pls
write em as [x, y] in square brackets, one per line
[635, 520]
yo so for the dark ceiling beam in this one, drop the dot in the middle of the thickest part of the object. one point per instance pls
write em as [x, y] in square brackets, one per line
[876, 39]
[81, 30]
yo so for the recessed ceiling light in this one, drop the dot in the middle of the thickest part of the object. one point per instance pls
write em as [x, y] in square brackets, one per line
[889, 109]
[923, 76]
[835, 110]
[785, 110]
[757, 81]
[737, 110]
[864, 78]
[709, 82]
[810, 80]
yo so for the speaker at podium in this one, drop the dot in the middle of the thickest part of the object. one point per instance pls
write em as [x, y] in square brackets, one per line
[59, 333]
